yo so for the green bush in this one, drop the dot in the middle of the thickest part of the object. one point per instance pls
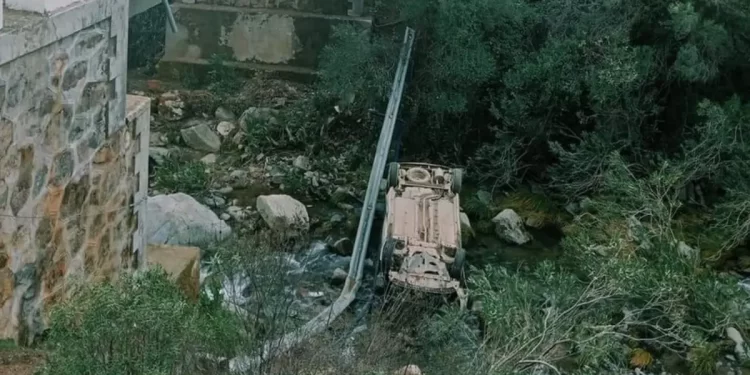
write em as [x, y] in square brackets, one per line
[189, 177]
[141, 324]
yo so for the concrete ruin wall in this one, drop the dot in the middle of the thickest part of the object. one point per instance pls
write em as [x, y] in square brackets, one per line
[71, 148]
[284, 35]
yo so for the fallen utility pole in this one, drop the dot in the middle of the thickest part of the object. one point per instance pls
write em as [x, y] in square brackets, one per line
[359, 253]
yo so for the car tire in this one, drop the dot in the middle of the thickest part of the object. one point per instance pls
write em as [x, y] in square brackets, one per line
[457, 180]
[386, 256]
[457, 267]
[393, 174]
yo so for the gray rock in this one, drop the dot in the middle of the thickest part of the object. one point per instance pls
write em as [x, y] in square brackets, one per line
[485, 197]
[225, 216]
[159, 154]
[237, 213]
[238, 174]
[215, 201]
[178, 219]
[225, 128]
[339, 276]
[201, 137]
[509, 227]
[283, 213]
[224, 114]
[225, 190]
[302, 162]
[343, 246]
[687, 251]
[739, 342]
[157, 139]
[262, 115]
[209, 159]
[337, 218]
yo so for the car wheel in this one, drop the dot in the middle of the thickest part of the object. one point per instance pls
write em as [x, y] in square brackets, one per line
[457, 267]
[457, 180]
[393, 174]
[386, 256]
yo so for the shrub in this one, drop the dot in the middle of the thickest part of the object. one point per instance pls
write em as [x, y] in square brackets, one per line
[189, 177]
[141, 324]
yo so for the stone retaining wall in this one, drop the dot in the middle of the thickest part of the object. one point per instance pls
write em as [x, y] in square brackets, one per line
[70, 188]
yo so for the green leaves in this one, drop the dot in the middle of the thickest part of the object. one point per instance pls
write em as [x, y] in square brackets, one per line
[141, 325]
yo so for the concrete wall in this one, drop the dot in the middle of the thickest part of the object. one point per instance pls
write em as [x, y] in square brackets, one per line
[72, 172]
[285, 35]
[39, 6]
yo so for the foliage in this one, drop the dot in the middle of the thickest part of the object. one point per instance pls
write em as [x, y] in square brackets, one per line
[222, 79]
[547, 89]
[141, 324]
[189, 177]
[342, 62]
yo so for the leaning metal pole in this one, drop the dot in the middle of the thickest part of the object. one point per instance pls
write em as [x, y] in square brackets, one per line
[356, 266]
[170, 16]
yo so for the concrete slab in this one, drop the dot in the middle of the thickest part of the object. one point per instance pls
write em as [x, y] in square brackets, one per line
[274, 39]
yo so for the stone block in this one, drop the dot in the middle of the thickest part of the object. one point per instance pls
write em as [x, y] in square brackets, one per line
[182, 263]
[201, 137]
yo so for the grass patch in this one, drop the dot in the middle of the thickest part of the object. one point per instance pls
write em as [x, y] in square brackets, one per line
[189, 177]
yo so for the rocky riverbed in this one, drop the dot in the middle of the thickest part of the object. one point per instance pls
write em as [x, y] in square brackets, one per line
[211, 184]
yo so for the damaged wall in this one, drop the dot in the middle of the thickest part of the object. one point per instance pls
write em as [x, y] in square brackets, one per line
[70, 180]
[285, 35]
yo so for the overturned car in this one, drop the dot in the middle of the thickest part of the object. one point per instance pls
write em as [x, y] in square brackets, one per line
[421, 240]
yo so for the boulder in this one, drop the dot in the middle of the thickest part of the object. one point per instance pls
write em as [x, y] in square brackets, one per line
[343, 246]
[209, 159]
[225, 128]
[179, 219]
[158, 154]
[258, 115]
[201, 137]
[224, 114]
[302, 162]
[182, 263]
[739, 343]
[283, 213]
[509, 227]
[339, 276]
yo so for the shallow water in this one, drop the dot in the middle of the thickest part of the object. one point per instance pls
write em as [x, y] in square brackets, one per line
[489, 249]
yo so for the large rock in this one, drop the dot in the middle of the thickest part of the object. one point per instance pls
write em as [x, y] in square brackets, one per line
[283, 213]
[201, 137]
[182, 263]
[178, 219]
[466, 229]
[258, 115]
[509, 227]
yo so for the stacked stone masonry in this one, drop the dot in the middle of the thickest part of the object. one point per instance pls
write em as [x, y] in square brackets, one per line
[69, 163]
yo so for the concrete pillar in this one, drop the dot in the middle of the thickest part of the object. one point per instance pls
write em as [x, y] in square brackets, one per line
[38, 6]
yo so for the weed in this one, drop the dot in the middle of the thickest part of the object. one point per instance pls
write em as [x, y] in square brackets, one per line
[189, 177]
